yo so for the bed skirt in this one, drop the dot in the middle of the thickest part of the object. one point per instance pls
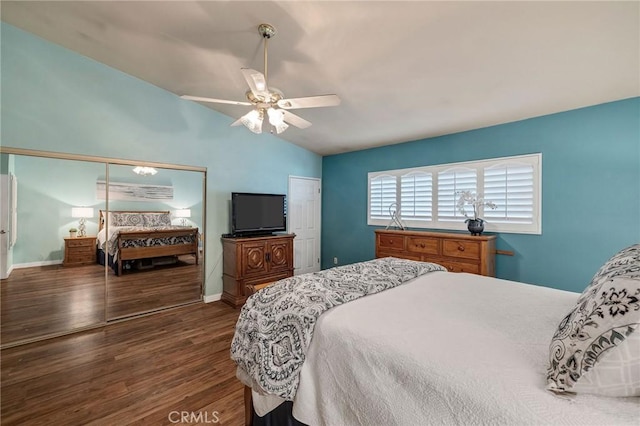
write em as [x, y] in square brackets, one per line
[103, 258]
[280, 416]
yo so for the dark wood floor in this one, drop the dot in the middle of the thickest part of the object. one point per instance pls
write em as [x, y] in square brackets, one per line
[132, 372]
[135, 292]
[51, 300]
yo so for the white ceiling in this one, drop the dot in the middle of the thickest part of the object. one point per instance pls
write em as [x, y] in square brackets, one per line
[404, 70]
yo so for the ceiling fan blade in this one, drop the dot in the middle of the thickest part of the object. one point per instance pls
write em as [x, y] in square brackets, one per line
[309, 102]
[238, 122]
[256, 81]
[219, 101]
[295, 120]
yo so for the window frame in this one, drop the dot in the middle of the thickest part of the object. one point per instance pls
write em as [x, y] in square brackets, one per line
[534, 228]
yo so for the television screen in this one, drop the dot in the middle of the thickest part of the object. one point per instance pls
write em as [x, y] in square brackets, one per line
[257, 213]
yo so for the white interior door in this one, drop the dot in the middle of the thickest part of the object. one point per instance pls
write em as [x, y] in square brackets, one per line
[303, 216]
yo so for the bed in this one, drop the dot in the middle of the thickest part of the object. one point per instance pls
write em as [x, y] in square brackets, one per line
[440, 348]
[142, 235]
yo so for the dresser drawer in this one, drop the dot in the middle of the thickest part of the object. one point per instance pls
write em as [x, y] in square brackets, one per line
[455, 251]
[460, 267]
[461, 248]
[83, 258]
[81, 242]
[423, 245]
[77, 251]
[391, 242]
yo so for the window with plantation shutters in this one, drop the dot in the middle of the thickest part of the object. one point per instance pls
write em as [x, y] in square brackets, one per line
[416, 197]
[510, 187]
[427, 197]
[450, 183]
[382, 193]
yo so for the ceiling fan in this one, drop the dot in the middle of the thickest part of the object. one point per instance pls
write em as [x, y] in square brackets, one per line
[270, 100]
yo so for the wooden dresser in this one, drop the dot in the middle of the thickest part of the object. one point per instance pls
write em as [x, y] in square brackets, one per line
[79, 251]
[253, 261]
[455, 251]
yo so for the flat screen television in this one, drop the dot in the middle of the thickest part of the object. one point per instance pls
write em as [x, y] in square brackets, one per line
[257, 214]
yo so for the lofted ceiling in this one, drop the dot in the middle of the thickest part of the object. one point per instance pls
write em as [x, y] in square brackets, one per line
[404, 70]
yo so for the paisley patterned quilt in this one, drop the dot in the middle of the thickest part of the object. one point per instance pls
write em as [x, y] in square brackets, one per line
[115, 231]
[276, 324]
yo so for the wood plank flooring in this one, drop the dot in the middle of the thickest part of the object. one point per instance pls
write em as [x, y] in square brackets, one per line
[51, 300]
[132, 372]
[135, 292]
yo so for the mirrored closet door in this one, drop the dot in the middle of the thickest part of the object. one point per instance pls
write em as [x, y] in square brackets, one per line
[51, 282]
[153, 231]
[87, 240]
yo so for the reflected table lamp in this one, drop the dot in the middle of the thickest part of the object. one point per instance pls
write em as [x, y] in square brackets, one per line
[82, 213]
[183, 214]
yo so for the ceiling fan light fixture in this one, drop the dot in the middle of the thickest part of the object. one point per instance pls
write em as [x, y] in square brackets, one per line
[144, 170]
[266, 98]
[276, 118]
[253, 120]
[281, 127]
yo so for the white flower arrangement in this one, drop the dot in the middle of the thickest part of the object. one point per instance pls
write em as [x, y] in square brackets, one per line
[468, 198]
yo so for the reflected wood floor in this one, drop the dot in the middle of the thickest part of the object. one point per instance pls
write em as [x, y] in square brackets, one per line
[50, 299]
[135, 292]
[131, 372]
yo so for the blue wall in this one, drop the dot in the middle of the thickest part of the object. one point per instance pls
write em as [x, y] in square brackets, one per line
[56, 100]
[590, 190]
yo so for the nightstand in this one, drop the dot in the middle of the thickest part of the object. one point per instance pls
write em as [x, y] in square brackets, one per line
[79, 251]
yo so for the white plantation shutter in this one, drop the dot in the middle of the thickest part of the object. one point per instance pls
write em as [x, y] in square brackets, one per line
[450, 183]
[416, 199]
[382, 193]
[427, 196]
[511, 188]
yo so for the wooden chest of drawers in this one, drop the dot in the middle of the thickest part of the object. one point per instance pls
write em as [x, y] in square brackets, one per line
[79, 251]
[456, 252]
[252, 261]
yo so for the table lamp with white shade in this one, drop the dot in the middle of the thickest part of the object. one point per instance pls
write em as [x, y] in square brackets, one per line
[183, 214]
[83, 213]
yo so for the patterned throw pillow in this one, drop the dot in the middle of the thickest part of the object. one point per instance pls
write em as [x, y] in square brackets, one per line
[153, 220]
[125, 219]
[592, 351]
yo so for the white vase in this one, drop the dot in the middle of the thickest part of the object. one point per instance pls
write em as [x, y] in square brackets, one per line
[72, 234]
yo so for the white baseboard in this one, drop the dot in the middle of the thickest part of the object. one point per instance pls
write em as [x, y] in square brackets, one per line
[7, 273]
[34, 264]
[212, 298]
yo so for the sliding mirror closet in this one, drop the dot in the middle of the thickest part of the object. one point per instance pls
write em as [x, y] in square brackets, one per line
[88, 240]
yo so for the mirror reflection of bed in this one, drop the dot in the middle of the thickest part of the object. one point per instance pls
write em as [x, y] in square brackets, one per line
[41, 296]
[151, 262]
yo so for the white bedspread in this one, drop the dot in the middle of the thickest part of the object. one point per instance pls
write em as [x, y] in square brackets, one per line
[445, 349]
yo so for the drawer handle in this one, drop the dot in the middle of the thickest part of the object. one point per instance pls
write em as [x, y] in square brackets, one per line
[422, 245]
[460, 247]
